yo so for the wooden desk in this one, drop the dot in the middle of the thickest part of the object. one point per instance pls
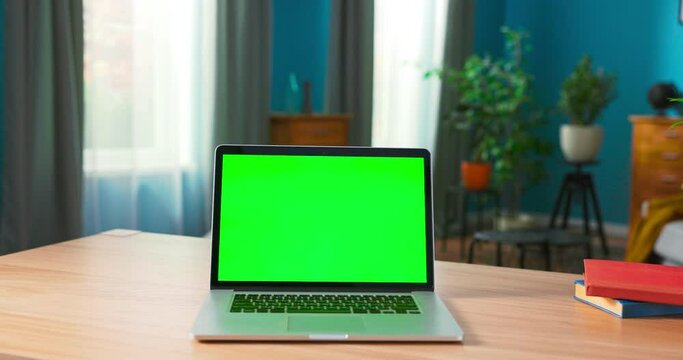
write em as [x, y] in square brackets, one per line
[136, 296]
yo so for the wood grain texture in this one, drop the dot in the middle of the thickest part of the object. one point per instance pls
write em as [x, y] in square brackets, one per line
[137, 296]
[310, 129]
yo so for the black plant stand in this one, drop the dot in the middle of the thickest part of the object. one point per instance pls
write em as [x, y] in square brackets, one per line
[462, 194]
[580, 183]
[519, 238]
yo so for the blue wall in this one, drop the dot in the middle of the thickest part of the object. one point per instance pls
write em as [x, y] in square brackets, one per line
[488, 19]
[300, 37]
[641, 41]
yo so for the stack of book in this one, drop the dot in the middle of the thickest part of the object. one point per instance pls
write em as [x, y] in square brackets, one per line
[627, 289]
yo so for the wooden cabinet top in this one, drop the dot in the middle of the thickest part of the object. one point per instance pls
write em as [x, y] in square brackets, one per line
[310, 129]
[655, 119]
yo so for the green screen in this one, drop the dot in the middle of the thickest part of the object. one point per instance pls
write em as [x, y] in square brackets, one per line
[322, 219]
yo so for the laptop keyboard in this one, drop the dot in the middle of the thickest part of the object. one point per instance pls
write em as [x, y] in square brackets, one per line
[322, 303]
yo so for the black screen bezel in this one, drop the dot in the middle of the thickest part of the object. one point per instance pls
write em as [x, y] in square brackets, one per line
[321, 286]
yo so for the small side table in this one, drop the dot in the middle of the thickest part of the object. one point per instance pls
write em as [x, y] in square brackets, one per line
[462, 195]
[580, 183]
[561, 239]
[521, 239]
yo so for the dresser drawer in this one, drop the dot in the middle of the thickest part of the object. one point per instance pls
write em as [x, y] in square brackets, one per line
[310, 129]
[659, 157]
[318, 133]
[657, 134]
[653, 188]
[650, 182]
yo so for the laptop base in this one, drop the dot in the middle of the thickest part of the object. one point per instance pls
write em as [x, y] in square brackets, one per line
[433, 324]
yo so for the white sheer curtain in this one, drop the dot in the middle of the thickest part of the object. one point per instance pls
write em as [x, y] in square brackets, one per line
[409, 38]
[148, 106]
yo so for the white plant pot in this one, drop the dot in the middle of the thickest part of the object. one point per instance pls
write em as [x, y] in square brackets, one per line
[580, 143]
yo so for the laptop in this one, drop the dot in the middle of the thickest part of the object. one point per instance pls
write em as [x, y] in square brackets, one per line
[323, 244]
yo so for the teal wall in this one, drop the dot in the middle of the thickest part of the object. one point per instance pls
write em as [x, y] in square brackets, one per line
[489, 18]
[641, 41]
[300, 36]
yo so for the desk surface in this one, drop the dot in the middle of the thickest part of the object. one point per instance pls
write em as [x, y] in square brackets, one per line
[136, 296]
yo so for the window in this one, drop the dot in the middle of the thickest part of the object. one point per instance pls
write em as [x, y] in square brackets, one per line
[143, 83]
[409, 38]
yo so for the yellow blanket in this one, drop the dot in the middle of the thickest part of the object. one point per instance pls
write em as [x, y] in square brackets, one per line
[660, 212]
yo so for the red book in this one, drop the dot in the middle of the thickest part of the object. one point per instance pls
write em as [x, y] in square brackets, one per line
[634, 281]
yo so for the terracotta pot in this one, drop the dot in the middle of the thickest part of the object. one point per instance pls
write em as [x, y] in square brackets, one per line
[475, 175]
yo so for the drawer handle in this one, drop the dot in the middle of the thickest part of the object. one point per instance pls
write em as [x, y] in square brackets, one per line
[671, 156]
[672, 134]
[669, 179]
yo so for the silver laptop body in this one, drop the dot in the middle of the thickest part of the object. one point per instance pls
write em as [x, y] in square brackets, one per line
[253, 304]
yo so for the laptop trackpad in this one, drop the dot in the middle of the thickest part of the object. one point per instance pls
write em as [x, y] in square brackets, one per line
[326, 324]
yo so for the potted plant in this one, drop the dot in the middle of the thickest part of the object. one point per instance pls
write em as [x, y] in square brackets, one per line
[487, 97]
[475, 113]
[476, 172]
[495, 104]
[518, 164]
[678, 100]
[584, 95]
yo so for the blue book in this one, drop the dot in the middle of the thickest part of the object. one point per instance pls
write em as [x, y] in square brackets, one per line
[624, 308]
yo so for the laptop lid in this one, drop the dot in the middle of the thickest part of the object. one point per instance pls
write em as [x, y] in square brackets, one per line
[289, 218]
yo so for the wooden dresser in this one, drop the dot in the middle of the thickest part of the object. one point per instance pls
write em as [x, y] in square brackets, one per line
[309, 129]
[657, 161]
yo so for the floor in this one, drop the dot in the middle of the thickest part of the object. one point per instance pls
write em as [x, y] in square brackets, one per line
[563, 260]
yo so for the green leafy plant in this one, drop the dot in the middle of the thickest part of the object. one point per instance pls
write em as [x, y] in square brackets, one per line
[677, 123]
[494, 102]
[586, 93]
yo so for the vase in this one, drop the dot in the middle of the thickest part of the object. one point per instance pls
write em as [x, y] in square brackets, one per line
[292, 95]
[475, 175]
[580, 143]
